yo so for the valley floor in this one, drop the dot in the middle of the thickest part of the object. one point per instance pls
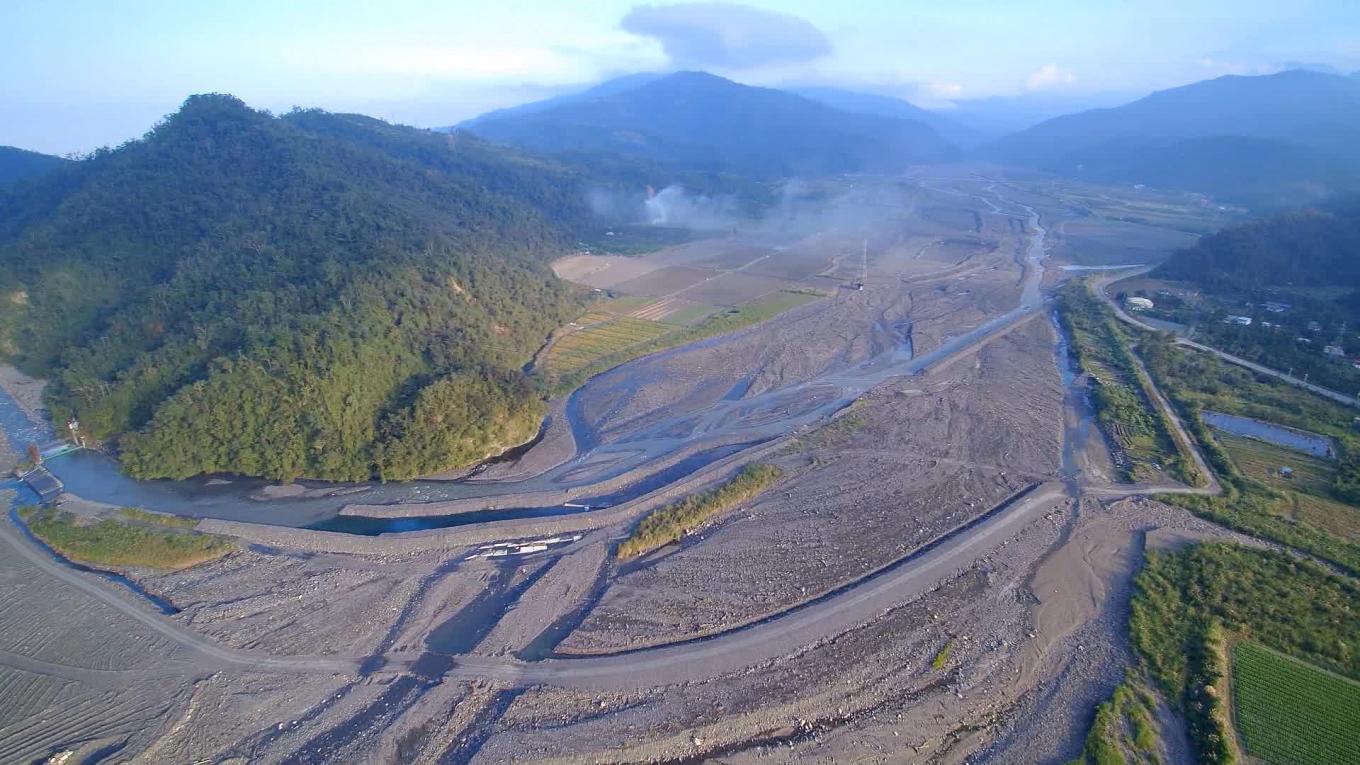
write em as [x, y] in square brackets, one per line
[934, 577]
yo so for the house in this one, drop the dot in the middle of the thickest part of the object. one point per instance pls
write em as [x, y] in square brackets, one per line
[1244, 321]
[1276, 307]
[1138, 304]
[1314, 327]
[1334, 351]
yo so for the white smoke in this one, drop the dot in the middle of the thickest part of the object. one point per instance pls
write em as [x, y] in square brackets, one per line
[673, 206]
[799, 206]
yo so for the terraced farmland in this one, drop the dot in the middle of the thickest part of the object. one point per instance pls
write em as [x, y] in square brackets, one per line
[601, 334]
[1293, 713]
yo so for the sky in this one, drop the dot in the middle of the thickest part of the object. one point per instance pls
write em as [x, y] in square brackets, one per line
[79, 74]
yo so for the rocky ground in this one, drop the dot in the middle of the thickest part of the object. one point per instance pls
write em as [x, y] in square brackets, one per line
[912, 461]
[284, 653]
[26, 390]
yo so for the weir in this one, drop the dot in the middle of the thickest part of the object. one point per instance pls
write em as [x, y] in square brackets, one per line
[43, 483]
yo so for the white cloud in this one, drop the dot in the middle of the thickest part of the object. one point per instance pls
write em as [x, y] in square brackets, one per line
[727, 35]
[425, 63]
[946, 90]
[1049, 76]
[1217, 67]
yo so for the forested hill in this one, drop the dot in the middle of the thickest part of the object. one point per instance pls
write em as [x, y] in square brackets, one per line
[18, 164]
[1309, 248]
[310, 295]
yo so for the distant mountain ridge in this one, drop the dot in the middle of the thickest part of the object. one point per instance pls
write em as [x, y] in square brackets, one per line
[17, 164]
[1287, 137]
[607, 88]
[858, 102]
[703, 122]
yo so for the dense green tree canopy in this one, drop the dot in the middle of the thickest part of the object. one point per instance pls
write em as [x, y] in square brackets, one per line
[290, 296]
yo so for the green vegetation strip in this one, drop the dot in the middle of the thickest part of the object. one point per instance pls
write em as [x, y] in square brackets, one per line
[160, 519]
[672, 522]
[1185, 602]
[1122, 398]
[111, 542]
[1124, 731]
[1292, 713]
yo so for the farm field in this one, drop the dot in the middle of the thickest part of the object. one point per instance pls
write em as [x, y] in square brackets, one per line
[1102, 242]
[1335, 517]
[607, 337]
[1262, 461]
[1307, 494]
[1293, 713]
[602, 334]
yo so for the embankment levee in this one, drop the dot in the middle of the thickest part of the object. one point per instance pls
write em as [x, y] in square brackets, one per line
[311, 540]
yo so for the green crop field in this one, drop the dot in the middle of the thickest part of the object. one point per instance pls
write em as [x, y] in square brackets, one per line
[602, 336]
[1293, 713]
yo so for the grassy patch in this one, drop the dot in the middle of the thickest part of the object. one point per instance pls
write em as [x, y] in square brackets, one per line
[1336, 518]
[637, 239]
[160, 519]
[688, 315]
[1262, 461]
[115, 543]
[672, 522]
[1124, 731]
[1292, 713]
[942, 655]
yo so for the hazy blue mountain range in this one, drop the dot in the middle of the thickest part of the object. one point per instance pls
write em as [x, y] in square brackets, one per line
[606, 88]
[698, 121]
[1270, 139]
[888, 106]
